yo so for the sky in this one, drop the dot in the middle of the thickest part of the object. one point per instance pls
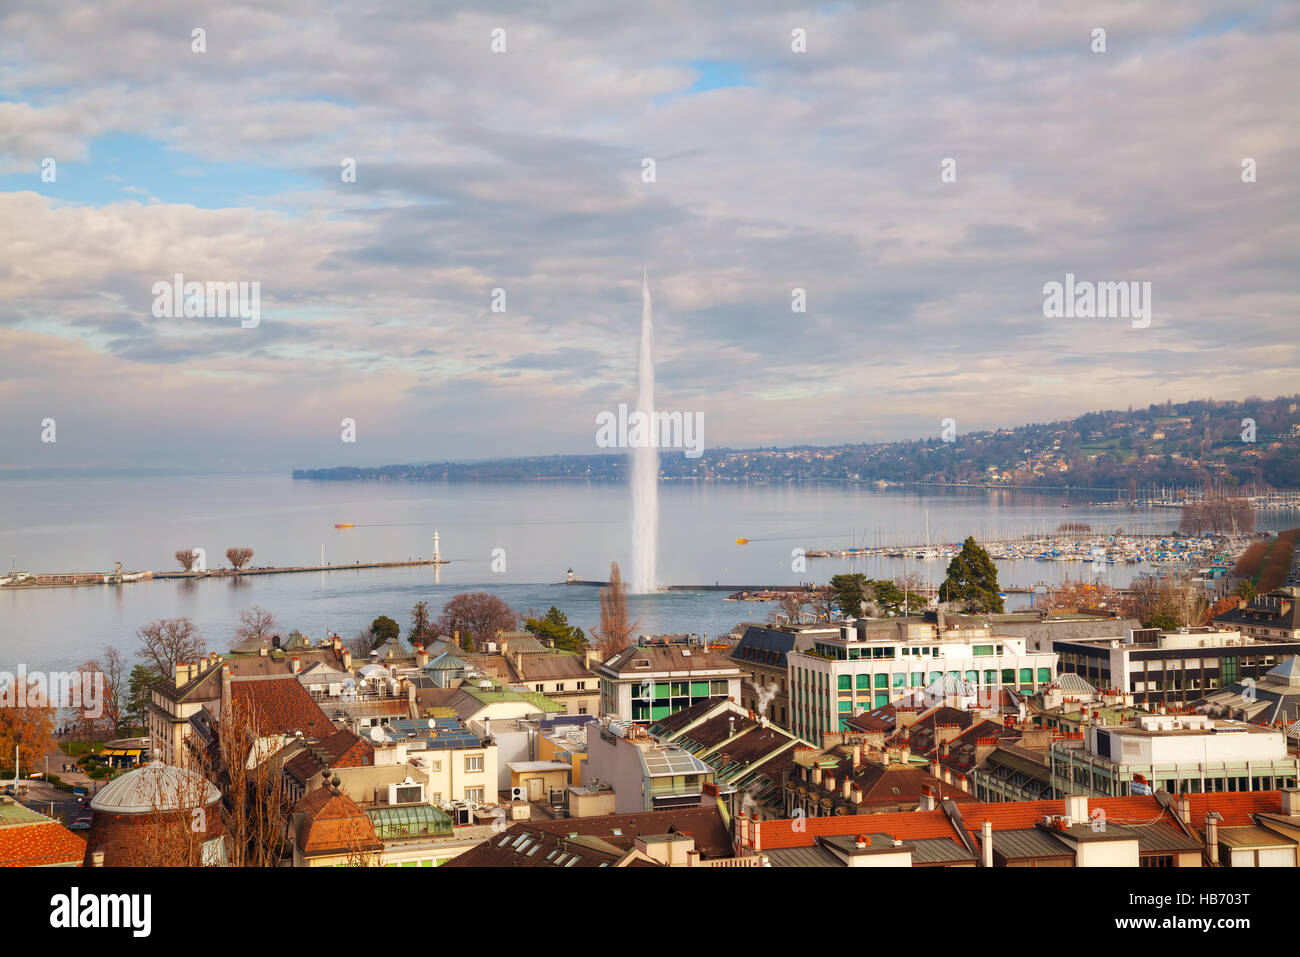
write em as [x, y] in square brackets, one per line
[793, 147]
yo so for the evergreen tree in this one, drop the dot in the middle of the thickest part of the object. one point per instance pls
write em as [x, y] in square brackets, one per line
[385, 628]
[555, 626]
[849, 592]
[138, 695]
[972, 579]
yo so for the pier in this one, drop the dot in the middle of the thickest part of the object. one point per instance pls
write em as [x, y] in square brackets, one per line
[68, 579]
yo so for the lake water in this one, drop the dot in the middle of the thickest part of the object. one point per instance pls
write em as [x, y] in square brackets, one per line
[543, 528]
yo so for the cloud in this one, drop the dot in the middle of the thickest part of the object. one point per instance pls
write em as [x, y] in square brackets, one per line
[521, 172]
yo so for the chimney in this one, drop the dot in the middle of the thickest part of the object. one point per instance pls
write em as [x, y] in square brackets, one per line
[1212, 836]
[857, 755]
[862, 841]
[263, 652]
[295, 664]
[97, 859]
[1185, 810]
[830, 783]
[731, 726]
[225, 683]
[816, 775]
[986, 843]
[927, 797]
[856, 796]
[1076, 808]
[943, 749]
[421, 656]
[1291, 801]
[182, 673]
[847, 791]
[347, 660]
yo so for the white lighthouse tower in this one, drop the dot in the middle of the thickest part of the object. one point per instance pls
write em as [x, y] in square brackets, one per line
[436, 556]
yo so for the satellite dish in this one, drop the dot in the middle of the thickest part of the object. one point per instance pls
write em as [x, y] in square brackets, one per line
[377, 733]
[432, 723]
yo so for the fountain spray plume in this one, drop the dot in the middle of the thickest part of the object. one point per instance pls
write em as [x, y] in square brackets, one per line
[645, 459]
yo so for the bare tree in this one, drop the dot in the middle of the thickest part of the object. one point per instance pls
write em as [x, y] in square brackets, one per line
[822, 601]
[255, 624]
[477, 616]
[238, 557]
[789, 607]
[616, 629]
[115, 673]
[187, 558]
[361, 644]
[246, 766]
[168, 642]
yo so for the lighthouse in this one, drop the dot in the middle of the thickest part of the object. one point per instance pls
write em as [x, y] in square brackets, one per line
[436, 556]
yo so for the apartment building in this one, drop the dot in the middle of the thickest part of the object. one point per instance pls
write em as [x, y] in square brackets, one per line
[873, 662]
[1178, 753]
[1172, 668]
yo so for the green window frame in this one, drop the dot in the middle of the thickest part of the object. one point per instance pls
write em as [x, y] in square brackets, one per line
[882, 681]
[982, 651]
[1026, 676]
[1044, 676]
[864, 681]
[1008, 676]
[845, 682]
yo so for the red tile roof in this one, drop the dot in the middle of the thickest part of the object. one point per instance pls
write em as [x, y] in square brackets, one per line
[1236, 808]
[902, 825]
[333, 823]
[281, 706]
[40, 845]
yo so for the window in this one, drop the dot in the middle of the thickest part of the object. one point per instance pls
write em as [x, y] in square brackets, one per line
[473, 762]
[539, 687]
[474, 795]
[844, 684]
[982, 651]
[582, 686]
[559, 687]
[435, 766]
[435, 797]
[1044, 675]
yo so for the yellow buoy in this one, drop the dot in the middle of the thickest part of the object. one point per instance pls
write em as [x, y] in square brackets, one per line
[343, 525]
[742, 541]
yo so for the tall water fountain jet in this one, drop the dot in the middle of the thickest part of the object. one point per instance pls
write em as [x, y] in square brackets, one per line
[645, 459]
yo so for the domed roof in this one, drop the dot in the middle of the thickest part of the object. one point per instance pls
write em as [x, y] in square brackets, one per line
[154, 787]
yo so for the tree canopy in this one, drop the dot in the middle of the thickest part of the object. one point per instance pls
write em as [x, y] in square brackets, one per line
[972, 580]
[555, 626]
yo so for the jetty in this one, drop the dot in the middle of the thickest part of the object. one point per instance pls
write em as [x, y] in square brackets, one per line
[67, 579]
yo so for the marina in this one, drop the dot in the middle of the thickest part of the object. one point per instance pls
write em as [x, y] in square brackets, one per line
[1149, 550]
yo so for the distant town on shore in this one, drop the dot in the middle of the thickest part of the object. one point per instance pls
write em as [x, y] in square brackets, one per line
[1229, 445]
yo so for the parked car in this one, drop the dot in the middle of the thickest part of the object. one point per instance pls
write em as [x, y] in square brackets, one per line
[80, 824]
